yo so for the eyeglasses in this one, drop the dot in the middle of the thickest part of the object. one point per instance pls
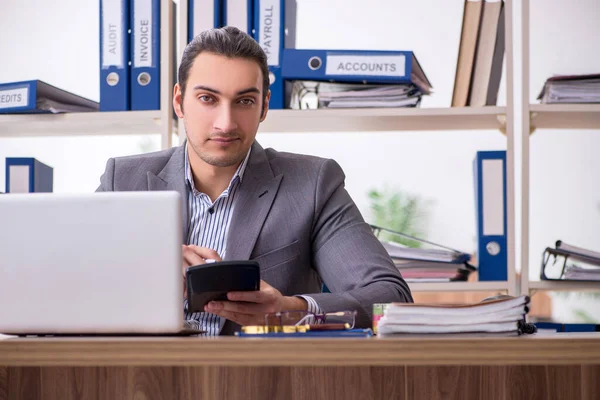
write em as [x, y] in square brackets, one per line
[297, 318]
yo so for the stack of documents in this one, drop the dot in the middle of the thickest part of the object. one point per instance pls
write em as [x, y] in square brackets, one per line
[425, 264]
[571, 89]
[39, 97]
[312, 95]
[570, 263]
[502, 316]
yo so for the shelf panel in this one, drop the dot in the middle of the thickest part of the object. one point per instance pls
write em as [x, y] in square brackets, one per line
[458, 286]
[564, 286]
[565, 116]
[81, 124]
[384, 119]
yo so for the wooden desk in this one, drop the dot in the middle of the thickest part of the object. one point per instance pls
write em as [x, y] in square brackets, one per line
[565, 366]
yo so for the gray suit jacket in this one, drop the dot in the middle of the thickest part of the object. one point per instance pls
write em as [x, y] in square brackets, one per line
[292, 215]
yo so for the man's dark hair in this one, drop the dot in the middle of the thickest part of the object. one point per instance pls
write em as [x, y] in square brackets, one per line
[229, 42]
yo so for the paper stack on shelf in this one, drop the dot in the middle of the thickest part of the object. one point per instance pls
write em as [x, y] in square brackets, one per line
[29, 97]
[566, 262]
[571, 89]
[425, 264]
[306, 95]
[502, 316]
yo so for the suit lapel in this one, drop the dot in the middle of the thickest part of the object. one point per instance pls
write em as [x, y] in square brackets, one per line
[172, 177]
[254, 199]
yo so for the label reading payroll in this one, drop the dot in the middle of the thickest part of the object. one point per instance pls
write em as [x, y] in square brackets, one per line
[270, 25]
[366, 65]
[14, 97]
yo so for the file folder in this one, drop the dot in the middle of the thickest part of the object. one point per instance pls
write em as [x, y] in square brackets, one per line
[490, 203]
[114, 55]
[269, 20]
[368, 66]
[28, 97]
[239, 13]
[564, 265]
[145, 54]
[28, 175]
[203, 15]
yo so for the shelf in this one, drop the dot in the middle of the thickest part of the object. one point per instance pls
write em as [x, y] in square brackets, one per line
[458, 286]
[565, 116]
[564, 286]
[384, 119]
[82, 124]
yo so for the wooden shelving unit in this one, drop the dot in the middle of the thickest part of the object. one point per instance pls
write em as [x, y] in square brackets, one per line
[545, 116]
[84, 124]
[564, 116]
[305, 121]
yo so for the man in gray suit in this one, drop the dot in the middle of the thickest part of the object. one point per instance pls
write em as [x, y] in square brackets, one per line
[289, 212]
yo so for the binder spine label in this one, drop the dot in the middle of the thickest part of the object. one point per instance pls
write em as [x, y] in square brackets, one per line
[493, 197]
[14, 97]
[366, 65]
[142, 31]
[270, 28]
[19, 179]
[112, 33]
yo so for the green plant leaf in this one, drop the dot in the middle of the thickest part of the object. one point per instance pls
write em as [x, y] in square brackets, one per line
[399, 211]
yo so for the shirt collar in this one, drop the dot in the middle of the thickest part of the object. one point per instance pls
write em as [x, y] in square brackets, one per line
[239, 173]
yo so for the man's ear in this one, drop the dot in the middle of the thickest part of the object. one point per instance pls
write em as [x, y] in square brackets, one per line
[178, 100]
[265, 109]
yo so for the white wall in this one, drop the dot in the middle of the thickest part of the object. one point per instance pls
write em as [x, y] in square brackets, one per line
[56, 41]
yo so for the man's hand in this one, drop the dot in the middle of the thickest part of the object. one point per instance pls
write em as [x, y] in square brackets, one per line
[249, 308]
[194, 255]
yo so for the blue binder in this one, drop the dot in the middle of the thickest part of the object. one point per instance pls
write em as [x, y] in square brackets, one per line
[114, 55]
[28, 175]
[581, 328]
[239, 13]
[145, 54]
[368, 66]
[203, 15]
[490, 203]
[28, 97]
[269, 31]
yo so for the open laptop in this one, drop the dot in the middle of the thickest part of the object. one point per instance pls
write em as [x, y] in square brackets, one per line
[101, 263]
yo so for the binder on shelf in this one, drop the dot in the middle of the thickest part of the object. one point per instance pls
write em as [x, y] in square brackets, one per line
[366, 66]
[114, 55]
[203, 15]
[239, 13]
[487, 69]
[570, 263]
[491, 214]
[269, 17]
[28, 175]
[466, 52]
[145, 54]
[35, 96]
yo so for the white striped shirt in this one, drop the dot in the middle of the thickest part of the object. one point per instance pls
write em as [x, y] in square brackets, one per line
[209, 226]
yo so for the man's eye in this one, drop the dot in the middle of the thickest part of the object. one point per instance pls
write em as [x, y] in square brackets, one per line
[206, 99]
[247, 102]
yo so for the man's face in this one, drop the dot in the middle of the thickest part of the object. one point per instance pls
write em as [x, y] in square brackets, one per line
[221, 108]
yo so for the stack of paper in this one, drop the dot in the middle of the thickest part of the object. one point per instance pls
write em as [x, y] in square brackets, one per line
[313, 95]
[497, 316]
[571, 89]
[568, 262]
[425, 264]
[427, 271]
